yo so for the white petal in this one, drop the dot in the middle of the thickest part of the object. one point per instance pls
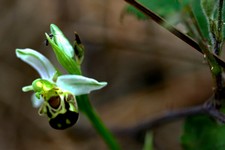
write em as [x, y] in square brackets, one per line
[35, 101]
[38, 61]
[79, 85]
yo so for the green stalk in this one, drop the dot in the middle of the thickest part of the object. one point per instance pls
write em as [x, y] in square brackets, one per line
[86, 107]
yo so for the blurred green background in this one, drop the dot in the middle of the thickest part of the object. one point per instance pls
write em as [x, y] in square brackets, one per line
[148, 70]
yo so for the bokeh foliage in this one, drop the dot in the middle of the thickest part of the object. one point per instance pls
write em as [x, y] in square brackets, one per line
[200, 19]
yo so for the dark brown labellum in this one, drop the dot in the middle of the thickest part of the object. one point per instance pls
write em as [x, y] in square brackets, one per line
[63, 121]
[66, 120]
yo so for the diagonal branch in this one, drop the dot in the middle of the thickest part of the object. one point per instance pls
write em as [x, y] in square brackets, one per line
[207, 108]
[160, 120]
[213, 109]
[171, 28]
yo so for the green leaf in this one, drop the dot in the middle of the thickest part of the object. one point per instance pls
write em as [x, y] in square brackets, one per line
[38, 61]
[79, 85]
[61, 41]
[202, 133]
[223, 21]
[164, 8]
[201, 18]
[209, 7]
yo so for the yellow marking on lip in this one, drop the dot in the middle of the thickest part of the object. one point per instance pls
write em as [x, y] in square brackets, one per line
[46, 88]
[68, 121]
[59, 125]
[39, 84]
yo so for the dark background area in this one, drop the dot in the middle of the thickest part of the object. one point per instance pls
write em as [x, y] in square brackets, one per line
[148, 70]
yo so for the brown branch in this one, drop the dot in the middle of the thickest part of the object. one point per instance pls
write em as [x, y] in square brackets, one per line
[160, 120]
[212, 107]
[207, 108]
[171, 28]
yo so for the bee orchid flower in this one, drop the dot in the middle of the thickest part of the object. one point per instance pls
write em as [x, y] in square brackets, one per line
[54, 93]
[58, 95]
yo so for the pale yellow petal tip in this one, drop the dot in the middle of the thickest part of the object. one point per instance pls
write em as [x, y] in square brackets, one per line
[27, 88]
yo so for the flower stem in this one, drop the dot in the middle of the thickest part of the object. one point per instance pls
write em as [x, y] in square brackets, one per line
[86, 107]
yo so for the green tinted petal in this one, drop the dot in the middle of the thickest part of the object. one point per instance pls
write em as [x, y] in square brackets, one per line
[66, 61]
[38, 61]
[61, 41]
[79, 85]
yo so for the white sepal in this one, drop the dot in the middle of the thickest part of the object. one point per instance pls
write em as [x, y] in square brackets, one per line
[38, 61]
[78, 84]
